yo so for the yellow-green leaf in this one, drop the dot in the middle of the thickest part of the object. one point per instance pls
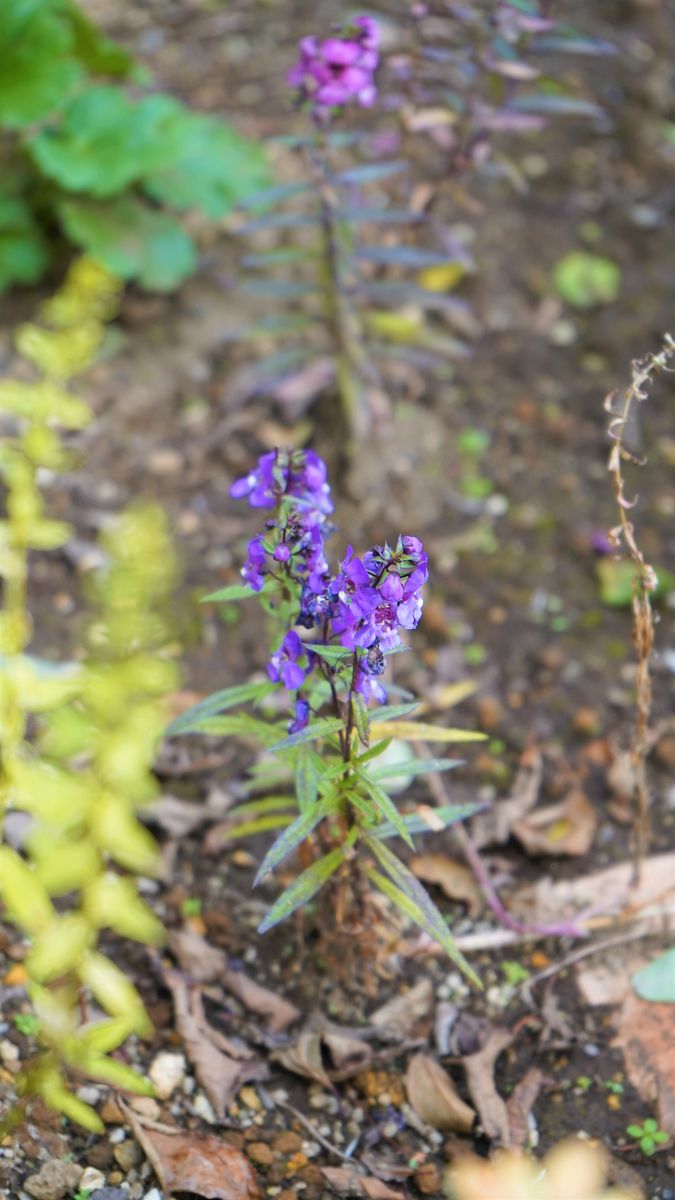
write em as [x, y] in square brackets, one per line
[24, 894]
[114, 992]
[59, 948]
[420, 731]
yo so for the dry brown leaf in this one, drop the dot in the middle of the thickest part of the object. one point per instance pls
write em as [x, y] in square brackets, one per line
[608, 982]
[520, 1104]
[609, 890]
[398, 1016]
[454, 879]
[178, 818]
[480, 1080]
[646, 1035]
[198, 958]
[347, 1181]
[434, 1097]
[305, 1057]
[204, 1166]
[278, 1013]
[566, 828]
[220, 1066]
[493, 828]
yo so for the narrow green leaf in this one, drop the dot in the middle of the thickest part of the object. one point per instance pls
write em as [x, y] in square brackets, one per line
[373, 752]
[389, 712]
[387, 808]
[370, 172]
[237, 591]
[318, 729]
[419, 730]
[361, 720]
[291, 838]
[417, 823]
[331, 654]
[419, 766]
[261, 825]
[402, 256]
[255, 808]
[428, 918]
[268, 197]
[217, 703]
[239, 726]
[306, 779]
[304, 888]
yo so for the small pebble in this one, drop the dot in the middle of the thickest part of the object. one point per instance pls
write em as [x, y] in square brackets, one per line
[201, 1107]
[54, 1180]
[116, 1136]
[167, 1072]
[91, 1180]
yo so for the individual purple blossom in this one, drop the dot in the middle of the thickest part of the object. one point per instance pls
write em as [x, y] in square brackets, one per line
[284, 667]
[369, 687]
[301, 719]
[297, 474]
[339, 69]
[253, 570]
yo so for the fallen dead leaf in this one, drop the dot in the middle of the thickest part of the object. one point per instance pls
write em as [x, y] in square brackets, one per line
[200, 960]
[278, 1013]
[608, 982]
[204, 1166]
[646, 1035]
[480, 1080]
[493, 828]
[221, 1066]
[520, 1104]
[398, 1016]
[434, 1097]
[325, 1057]
[454, 879]
[347, 1181]
[609, 891]
[566, 828]
[178, 817]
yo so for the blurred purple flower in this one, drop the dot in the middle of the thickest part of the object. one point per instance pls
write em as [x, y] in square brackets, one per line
[301, 720]
[253, 570]
[339, 69]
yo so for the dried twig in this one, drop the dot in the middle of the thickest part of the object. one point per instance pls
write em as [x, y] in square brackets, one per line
[645, 582]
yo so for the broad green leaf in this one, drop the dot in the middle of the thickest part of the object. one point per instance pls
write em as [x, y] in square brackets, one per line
[656, 981]
[113, 991]
[408, 886]
[421, 822]
[64, 864]
[386, 807]
[97, 52]
[38, 69]
[415, 766]
[290, 839]
[106, 141]
[59, 948]
[217, 703]
[237, 591]
[305, 887]
[24, 894]
[317, 729]
[130, 238]
[24, 253]
[584, 280]
[212, 167]
[420, 731]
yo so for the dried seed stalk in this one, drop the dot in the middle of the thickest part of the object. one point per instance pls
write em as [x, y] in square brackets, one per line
[645, 582]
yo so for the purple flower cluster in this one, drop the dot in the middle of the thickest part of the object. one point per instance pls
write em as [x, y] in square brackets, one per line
[293, 482]
[364, 605]
[339, 69]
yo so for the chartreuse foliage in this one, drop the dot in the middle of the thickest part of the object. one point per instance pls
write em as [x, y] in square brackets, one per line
[339, 763]
[81, 153]
[77, 740]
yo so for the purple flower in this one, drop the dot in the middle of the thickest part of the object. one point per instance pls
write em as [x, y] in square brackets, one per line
[301, 720]
[369, 687]
[284, 667]
[253, 570]
[339, 69]
[299, 474]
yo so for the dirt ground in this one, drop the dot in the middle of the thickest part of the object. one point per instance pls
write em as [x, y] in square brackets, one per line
[514, 606]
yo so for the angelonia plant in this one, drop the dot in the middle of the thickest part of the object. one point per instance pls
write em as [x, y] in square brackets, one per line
[363, 309]
[343, 746]
[77, 739]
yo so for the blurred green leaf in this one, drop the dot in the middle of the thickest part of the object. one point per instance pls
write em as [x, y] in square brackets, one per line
[584, 280]
[304, 888]
[38, 65]
[318, 729]
[656, 981]
[131, 239]
[219, 702]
